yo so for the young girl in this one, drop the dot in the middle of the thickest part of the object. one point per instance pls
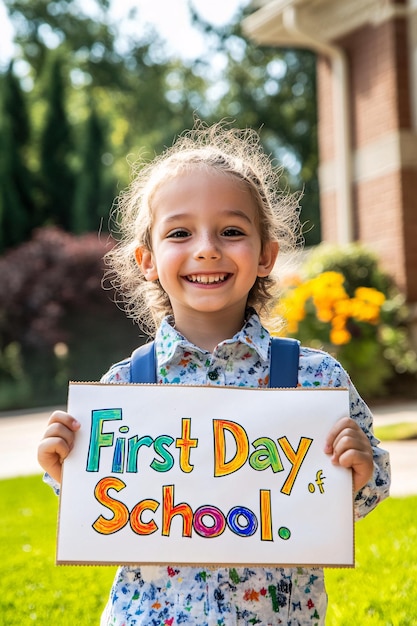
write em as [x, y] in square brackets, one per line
[201, 227]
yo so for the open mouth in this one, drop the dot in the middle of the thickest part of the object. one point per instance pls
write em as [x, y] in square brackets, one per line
[207, 279]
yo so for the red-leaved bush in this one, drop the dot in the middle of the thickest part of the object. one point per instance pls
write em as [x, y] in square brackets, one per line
[47, 277]
[51, 294]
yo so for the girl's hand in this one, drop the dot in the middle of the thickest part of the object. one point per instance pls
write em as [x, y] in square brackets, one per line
[350, 447]
[57, 443]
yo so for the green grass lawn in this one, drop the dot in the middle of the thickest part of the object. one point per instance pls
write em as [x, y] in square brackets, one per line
[380, 591]
[397, 432]
[36, 591]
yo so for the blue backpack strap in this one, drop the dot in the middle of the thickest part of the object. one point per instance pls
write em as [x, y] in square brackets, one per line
[143, 364]
[283, 365]
[285, 354]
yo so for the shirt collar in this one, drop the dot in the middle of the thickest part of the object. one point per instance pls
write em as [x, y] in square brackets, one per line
[168, 340]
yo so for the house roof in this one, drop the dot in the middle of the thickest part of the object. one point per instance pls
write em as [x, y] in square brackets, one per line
[272, 22]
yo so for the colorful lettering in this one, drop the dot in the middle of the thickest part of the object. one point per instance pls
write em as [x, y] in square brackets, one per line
[98, 439]
[137, 524]
[266, 515]
[234, 521]
[134, 445]
[219, 522]
[167, 460]
[221, 466]
[169, 511]
[120, 512]
[265, 456]
[295, 458]
[185, 443]
[208, 521]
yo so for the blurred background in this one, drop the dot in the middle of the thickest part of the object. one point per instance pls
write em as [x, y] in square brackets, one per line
[88, 88]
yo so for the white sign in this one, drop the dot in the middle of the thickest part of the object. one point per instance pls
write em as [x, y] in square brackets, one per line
[204, 475]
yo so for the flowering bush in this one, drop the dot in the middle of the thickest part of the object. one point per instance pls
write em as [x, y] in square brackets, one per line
[333, 314]
[360, 325]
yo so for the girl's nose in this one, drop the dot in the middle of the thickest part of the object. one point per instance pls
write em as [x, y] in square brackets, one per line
[207, 248]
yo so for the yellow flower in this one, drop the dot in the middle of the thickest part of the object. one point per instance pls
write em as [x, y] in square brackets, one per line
[340, 337]
[370, 295]
[325, 299]
[331, 279]
[367, 304]
[344, 307]
[324, 313]
[292, 307]
[339, 322]
[327, 292]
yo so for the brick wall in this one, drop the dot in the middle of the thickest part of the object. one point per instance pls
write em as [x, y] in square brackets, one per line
[409, 191]
[385, 185]
[379, 79]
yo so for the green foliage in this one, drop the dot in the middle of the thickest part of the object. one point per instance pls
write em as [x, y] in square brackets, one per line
[91, 202]
[364, 360]
[273, 90]
[358, 264]
[97, 96]
[380, 590]
[377, 356]
[15, 382]
[42, 25]
[56, 147]
[16, 202]
[91, 106]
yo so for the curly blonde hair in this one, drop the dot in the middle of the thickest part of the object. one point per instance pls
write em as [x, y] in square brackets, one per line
[230, 151]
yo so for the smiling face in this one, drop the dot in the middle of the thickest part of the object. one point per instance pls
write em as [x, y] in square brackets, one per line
[206, 247]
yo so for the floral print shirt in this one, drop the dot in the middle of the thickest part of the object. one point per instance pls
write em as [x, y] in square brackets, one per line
[237, 596]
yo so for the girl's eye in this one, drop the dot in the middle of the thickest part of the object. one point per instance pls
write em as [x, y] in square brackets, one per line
[178, 234]
[233, 232]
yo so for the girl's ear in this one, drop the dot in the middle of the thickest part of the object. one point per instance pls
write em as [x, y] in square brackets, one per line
[267, 258]
[144, 259]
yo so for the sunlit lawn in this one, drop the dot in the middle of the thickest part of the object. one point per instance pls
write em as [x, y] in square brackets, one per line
[397, 432]
[33, 589]
[380, 591]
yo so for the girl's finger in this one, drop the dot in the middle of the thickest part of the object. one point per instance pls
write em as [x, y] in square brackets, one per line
[335, 433]
[53, 448]
[61, 417]
[56, 430]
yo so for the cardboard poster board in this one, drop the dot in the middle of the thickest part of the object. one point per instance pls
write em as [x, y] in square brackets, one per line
[165, 474]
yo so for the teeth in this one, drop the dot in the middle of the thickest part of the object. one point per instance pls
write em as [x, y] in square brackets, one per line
[207, 280]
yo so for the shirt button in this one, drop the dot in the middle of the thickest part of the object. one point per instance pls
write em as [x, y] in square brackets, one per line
[213, 375]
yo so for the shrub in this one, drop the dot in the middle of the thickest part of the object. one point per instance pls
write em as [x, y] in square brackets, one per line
[358, 265]
[342, 302]
[55, 318]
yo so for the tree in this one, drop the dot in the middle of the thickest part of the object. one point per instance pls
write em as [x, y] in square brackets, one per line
[56, 149]
[143, 98]
[42, 25]
[16, 203]
[272, 90]
[91, 202]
